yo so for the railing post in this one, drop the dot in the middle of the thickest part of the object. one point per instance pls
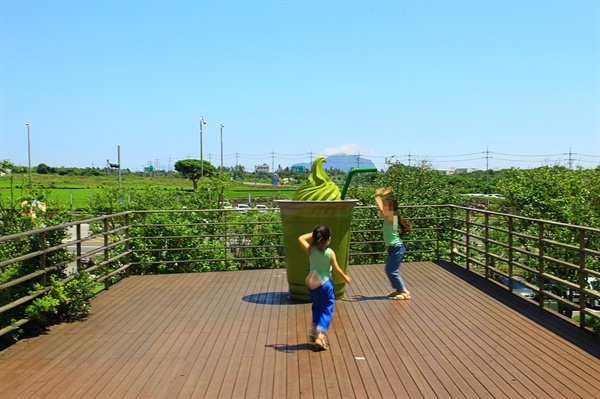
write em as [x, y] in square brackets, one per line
[510, 243]
[582, 279]
[127, 244]
[541, 263]
[106, 254]
[78, 245]
[438, 234]
[486, 235]
[451, 234]
[42, 265]
[468, 239]
[373, 216]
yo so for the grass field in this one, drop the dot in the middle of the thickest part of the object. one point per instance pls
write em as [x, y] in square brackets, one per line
[74, 192]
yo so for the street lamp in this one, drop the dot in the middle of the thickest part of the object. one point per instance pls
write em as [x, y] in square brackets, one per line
[29, 154]
[202, 122]
[222, 126]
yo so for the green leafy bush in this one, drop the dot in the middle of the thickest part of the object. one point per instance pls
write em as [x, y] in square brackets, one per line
[70, 300]
[593, 324]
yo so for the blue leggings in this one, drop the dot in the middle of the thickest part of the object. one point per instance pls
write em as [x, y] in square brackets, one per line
[323, 301]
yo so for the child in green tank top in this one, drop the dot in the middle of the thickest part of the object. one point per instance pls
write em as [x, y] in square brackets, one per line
[323, 261]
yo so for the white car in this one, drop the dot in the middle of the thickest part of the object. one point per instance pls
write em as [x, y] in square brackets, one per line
[243, 208]
[593, 284]
[261, 208]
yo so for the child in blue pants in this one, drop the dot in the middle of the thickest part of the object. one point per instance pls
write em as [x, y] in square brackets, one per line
[388, 208]
[323, 261]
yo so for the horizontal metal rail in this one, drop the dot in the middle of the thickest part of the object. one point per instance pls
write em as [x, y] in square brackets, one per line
[557, 259]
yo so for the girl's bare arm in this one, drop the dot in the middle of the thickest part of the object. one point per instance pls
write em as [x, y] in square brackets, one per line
[337, 269]
[304, 241]
[380, 193]
[379, 200]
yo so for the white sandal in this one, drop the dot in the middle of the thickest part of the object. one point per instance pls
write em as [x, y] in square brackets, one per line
[321, 341]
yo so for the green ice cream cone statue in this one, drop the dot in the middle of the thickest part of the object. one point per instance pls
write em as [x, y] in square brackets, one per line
[319, 186]
[317, 202]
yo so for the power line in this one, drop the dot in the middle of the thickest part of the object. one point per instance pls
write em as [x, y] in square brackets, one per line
[382, 162]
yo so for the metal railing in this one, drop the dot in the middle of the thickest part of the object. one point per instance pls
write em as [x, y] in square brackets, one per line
[559, 263]
[558, 260]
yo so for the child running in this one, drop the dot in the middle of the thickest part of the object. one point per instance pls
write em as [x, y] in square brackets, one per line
[323, 261]
[396, 249]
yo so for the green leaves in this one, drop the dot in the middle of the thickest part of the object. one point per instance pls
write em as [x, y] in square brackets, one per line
[554, 193]
[194, 170]
[63, 300]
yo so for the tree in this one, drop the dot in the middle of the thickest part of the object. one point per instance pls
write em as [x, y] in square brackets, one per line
[418, 185]
[412, 185]
[192, 169]
[44, 169]
[554, 193]
[562, 195]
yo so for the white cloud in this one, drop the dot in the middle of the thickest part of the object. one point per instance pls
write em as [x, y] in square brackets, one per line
[349, 149]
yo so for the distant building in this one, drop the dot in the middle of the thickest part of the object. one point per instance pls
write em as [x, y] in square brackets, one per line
[264, 168]
[337, 178]
[452, 171]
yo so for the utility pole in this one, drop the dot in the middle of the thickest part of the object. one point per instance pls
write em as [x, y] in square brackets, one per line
[119, 160]
[118, 167]
[273, 161]
[202, 122]
[570, 159]
[222, 126]
[29, 156]
[487, 174]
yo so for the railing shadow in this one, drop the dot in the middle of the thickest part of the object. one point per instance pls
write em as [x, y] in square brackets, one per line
[584, 339]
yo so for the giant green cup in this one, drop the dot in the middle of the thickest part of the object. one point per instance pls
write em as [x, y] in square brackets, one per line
[300, 217]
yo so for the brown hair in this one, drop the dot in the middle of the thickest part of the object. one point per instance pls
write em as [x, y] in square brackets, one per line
[393, 203]
[403, 225]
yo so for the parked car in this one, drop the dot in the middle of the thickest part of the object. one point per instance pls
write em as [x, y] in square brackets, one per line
[261, 208]
[519, 286]
[593, 284]
[243, 208]
[225, 205]
[549, 285]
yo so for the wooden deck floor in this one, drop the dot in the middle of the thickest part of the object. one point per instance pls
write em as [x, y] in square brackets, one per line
[236, 335]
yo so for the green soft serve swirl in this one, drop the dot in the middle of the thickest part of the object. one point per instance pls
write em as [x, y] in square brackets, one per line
[319, 186]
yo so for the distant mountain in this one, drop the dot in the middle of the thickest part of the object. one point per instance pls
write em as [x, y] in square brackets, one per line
[341, 162]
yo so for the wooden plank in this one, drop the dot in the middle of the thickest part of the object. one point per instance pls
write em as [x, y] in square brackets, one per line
[523, 341]
[222, 372]
[160, 390]
[154, 337]
[215, 327]
[373, 298]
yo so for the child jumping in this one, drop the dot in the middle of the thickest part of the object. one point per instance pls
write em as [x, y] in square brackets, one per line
[323, 261]
[389, 211]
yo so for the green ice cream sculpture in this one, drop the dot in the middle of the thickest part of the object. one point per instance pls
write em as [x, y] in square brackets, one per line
[319, 201]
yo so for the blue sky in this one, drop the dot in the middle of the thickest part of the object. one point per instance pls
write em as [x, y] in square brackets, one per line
[454, 83]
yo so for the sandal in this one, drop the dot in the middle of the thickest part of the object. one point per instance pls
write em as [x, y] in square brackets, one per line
[402, 297]
[321, 341]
